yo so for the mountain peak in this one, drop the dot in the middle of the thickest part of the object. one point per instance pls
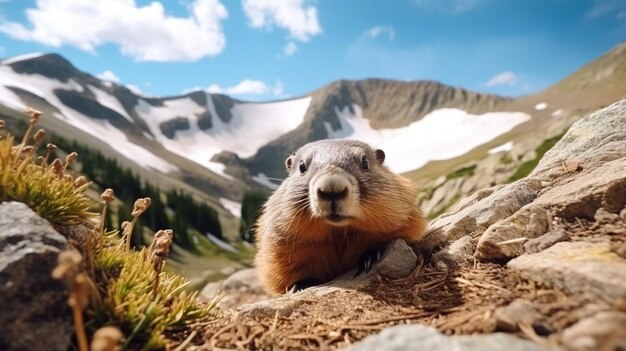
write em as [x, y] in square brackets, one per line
[49, 65]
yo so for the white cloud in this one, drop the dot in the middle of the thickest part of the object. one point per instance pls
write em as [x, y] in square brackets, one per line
[290, 48]
[245, 87]
[109, 75]
[504, 78]
[144, 33]
[377, 31]
[295, 16]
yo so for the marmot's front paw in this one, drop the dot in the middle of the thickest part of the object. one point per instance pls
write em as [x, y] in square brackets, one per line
[369, 259]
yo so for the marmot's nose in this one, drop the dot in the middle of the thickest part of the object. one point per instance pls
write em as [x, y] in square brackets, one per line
[332, 194]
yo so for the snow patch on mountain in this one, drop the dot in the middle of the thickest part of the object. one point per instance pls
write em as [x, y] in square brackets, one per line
[221, 243]
[232, 206]
[100, 129]
[441, 134]
[252, 126]
[10, 99]
[504, 147]
[541, 106]
[110, 101]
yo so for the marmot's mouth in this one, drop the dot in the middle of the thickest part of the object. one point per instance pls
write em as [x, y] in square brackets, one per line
[337, 218]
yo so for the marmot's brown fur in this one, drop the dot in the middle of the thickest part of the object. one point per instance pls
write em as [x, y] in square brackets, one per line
[336, 210]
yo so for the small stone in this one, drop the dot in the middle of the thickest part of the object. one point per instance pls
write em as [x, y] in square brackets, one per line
[462, 247]
[398, 261]
[245, 279]
[210, 290]
[571, 166]
[603, 215]
[603, 331]
[508, 318]
[268, 308]
[622, 214]
[545, 241]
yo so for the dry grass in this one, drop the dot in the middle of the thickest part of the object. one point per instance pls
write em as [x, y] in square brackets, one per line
[49, 188]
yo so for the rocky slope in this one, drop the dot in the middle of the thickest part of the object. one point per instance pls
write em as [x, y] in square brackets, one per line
[514, 155]
[541, 259]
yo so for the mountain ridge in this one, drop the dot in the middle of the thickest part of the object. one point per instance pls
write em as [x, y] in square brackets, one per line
[220, 146]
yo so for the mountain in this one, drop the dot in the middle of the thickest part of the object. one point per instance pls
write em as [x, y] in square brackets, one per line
[216, 147]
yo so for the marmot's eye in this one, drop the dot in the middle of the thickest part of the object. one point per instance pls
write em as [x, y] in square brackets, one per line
[365, 162]
[302, 167]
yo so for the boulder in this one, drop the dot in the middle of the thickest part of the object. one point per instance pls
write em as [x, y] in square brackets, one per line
[423, 338]
[35, 314]
[583, 268]
[506, 238]
[475, 218]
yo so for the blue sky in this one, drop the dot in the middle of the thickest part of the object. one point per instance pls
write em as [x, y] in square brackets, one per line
[273, 49]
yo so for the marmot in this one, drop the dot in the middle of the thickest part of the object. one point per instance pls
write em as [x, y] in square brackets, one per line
[336, 210]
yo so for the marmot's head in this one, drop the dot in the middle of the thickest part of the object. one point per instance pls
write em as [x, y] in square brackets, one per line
[333, 178]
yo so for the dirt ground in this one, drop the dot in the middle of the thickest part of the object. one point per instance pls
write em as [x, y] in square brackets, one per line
[462, 301]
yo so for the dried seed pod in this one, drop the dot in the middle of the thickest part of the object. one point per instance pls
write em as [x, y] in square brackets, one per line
[39, 135]
[34, 115]
[69, 159]
[80, 181]
[107, 196]
[68, 264]
[140, 206]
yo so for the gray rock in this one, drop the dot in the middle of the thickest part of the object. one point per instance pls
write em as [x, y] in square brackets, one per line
[244, 279]
[545, 241]
[478, 216]
[506, 238]
[603, 331]
[423, 338]
[578, 268]
[35, 314]
[210, 290]
[241, 287]
[581, 195]
[269, 308]
[508, 318]
[398, 261]
[593, 141]
[462, 247]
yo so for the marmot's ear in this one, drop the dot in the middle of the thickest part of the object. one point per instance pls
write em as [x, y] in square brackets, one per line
[380, 155]
[289, 163]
